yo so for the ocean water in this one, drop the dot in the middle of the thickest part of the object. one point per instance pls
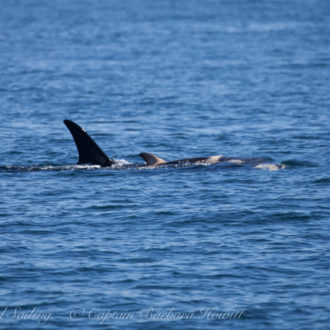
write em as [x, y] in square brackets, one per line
[193, 247]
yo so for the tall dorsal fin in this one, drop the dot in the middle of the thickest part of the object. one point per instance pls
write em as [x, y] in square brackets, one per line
[151, 159]
[89, 151]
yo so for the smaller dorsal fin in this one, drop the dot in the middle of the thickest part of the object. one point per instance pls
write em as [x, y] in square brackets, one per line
[151, 159]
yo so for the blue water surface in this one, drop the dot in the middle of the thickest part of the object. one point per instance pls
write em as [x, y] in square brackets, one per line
[192, 247]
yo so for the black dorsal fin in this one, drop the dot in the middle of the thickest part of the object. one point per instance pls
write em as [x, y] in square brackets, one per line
[151, 159]
[89, 151]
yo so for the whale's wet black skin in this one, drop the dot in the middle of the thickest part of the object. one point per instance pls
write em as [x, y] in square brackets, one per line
[90, 153]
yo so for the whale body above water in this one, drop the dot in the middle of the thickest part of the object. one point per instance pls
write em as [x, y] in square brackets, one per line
[90, 153]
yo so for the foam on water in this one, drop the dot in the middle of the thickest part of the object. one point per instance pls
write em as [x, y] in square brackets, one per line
[16, 168]
[236, 161]
[124, 164]
[270, 167]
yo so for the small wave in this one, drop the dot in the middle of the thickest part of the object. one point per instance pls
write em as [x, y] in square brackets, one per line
[262, 27]
[269, 27]
[107, 207]
[298, 163]
[324, 181]
[37, 168]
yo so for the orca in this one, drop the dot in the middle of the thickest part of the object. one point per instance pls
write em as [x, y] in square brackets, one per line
[90, 153]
